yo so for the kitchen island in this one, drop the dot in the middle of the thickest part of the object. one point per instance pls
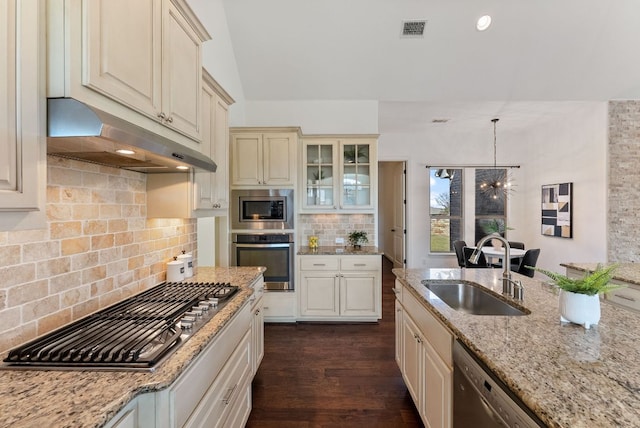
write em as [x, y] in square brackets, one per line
[89, 398]
[626, 274]
[568, 376]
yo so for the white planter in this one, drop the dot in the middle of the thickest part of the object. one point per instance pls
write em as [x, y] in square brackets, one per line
[579, 308]
[496, 243]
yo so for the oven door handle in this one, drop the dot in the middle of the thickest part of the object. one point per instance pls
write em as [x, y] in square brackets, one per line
[284, 245]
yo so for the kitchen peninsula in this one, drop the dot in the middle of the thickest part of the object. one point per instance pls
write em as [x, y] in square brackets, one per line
[568, 376]
[89, 398]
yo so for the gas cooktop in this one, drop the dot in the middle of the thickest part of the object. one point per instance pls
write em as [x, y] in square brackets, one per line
[135, 334]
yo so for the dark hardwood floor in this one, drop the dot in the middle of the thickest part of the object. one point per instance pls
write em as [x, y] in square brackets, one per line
[333, 375]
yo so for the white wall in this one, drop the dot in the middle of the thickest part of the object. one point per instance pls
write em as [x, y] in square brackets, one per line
[316, 117]
[568, 147]
[572, 148]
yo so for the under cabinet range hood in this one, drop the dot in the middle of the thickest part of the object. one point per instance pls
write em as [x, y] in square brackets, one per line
[78, 131]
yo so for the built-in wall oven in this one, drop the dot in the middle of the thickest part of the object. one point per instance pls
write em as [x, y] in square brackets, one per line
[262, 209]
[275, 251]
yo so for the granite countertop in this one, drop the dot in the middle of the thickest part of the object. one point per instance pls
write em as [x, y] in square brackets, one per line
[568, 376]
[339, 251]
[627, 272]
[30, 398]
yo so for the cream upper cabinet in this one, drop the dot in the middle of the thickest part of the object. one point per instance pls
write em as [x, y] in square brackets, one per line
[339, 173]
[140, 61]
[212, 189]
[264, 157]
[146, 55]
[22, 115]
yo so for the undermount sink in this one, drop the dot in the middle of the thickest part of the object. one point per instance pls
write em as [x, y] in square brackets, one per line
[466, 296]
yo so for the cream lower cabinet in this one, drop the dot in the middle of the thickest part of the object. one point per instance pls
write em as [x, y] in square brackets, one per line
[22, 115]
[280, 306]
[423, 348]
[257, 326]
[340, 288]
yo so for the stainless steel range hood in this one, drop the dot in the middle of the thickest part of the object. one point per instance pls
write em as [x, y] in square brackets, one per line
[78, 131]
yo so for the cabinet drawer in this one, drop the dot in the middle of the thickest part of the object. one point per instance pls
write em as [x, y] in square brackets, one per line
[192, 385]
[221, 397]
[319, 263]
[628, 297]
[360, 263]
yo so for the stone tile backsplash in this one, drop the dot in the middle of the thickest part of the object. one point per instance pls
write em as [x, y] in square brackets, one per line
[98, 248]
[328, 227]
[624, 179]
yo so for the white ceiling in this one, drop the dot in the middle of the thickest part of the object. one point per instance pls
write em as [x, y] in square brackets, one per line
[538, 56]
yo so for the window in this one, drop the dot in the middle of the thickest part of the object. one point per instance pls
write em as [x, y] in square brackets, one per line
[446, 206]
[491, 203]
[445, 212]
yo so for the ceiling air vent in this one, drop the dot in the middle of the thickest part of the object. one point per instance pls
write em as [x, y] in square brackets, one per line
[413, 28]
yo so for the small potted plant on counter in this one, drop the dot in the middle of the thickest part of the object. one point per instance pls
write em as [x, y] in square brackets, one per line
[579, 297]
[357, 238]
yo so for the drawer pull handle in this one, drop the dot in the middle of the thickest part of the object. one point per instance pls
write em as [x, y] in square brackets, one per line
[395, 290]
[622, 296]
[359, 264]
[227, 398]
[319, 264]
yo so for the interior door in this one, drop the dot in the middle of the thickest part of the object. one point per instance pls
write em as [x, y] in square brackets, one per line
[391, 213]
[398, 217]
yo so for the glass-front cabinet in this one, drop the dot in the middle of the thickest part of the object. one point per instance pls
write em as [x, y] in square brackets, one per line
[339, 173]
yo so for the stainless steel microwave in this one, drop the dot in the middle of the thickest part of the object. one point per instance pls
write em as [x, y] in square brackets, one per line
[262, 209]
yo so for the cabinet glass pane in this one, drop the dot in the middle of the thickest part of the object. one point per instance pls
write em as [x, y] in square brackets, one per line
[326, 154]
[363, 195]
[326, 175]
[363, 153]
[349, 195]
[349, 153]
[320, 196]
[313, 154]
[356, 195]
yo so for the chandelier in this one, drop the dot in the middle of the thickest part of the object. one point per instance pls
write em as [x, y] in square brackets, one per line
[497, 183]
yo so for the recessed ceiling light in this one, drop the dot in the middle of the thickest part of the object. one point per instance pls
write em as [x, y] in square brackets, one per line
[125, 151]
[182, 167]
[483, 23]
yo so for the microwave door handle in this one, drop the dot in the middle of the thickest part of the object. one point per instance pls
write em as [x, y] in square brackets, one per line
[285, 245]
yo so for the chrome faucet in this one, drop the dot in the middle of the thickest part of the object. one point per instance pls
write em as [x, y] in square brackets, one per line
[506, 263]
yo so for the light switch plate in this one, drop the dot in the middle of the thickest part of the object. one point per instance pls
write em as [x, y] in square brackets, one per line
[339, 241]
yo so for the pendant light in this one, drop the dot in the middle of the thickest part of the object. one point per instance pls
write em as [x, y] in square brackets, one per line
[497, 184]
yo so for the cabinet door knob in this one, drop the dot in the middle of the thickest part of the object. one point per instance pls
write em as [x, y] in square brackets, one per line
[170, 119]
[393, 230]
[162, 116]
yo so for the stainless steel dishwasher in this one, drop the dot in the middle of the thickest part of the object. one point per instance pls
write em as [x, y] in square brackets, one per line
[481, 400]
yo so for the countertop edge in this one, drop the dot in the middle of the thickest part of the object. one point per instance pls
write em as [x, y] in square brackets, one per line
[91, 390]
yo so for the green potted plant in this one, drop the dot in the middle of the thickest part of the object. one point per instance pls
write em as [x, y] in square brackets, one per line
[579, 297]
[357, 238]
[494, 226]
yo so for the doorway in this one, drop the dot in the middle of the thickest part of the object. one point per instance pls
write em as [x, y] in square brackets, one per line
[392, 210]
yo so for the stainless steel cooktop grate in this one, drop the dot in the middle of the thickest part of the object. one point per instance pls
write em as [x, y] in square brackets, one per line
[136, 333]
